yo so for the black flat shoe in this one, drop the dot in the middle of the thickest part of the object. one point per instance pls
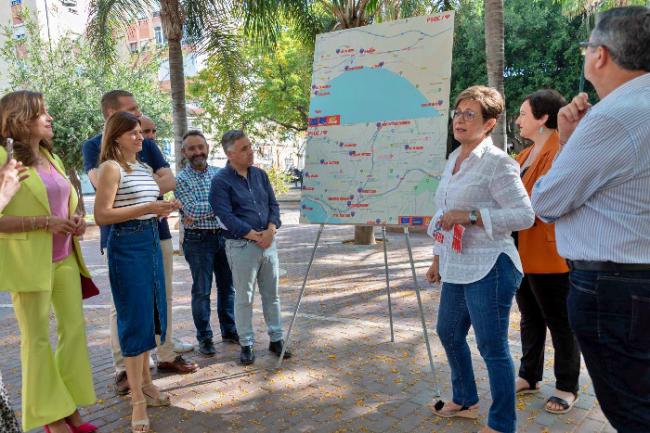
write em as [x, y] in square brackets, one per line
[275, 347]
[470, 412]
[206, 347]
[247, 356]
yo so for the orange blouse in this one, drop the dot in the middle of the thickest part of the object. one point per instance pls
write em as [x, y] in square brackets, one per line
[537, 244]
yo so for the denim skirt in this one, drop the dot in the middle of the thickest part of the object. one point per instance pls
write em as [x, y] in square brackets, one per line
[136, 273]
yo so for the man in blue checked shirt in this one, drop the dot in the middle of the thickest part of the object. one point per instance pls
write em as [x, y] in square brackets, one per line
[203, 245]
[243, 199]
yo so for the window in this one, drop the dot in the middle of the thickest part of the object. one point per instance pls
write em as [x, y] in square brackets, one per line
[16, 2]
[133, 47]
[159, 35]
[19, 32]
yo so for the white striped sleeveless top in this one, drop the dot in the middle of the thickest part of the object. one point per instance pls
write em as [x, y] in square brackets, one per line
[136, 187]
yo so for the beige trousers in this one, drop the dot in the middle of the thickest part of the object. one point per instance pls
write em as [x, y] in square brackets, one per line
[165, 352]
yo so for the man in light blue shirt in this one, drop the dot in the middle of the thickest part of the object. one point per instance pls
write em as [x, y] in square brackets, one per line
[203, 245]
[598, 195]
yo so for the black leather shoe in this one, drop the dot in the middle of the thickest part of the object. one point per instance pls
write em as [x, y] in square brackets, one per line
[275, 347]
[230, 338]
[247, 356]
[206, 347]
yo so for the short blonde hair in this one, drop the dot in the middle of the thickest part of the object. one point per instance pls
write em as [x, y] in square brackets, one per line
[489, 98]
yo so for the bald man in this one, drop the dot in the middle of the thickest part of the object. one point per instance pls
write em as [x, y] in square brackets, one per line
[148, 128]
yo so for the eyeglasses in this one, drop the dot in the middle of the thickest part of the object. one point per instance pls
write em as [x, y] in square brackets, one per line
[586, 44]
[149, 131]
[468, 115]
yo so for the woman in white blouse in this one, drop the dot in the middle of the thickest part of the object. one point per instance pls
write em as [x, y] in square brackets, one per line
[480, 201]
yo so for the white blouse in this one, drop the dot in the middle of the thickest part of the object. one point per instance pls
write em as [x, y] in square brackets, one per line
[488, 181]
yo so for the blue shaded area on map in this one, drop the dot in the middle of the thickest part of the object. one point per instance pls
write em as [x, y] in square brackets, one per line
[371, 95]
[313, 211]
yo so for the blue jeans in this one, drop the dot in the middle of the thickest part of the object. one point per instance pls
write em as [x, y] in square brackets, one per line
[205, 253]
[610, 315]
[249, 264]
[485, 305]
[136, 273]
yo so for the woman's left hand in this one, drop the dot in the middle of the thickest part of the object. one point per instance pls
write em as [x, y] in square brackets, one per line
[449, 218]
[80, 225]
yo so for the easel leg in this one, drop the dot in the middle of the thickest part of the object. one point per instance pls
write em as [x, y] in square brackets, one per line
[302, 292]
[390, 306]
[436, 387]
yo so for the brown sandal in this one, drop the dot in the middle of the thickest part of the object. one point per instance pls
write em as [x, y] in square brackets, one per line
[161, 400]
[140, 425]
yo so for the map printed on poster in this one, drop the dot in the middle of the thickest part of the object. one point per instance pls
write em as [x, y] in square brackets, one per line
[377, 132]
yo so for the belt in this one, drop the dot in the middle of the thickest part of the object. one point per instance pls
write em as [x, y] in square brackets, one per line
[584, 265]
[212, 231]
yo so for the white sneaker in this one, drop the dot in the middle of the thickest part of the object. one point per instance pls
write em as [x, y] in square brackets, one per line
[181, 347]
[152, 363]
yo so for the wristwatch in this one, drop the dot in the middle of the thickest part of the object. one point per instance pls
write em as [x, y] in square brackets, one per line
[473, 217]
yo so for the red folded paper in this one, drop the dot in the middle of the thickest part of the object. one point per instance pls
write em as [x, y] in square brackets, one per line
[88, 288]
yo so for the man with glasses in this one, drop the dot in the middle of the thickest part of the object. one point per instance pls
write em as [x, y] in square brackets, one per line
[598, 194]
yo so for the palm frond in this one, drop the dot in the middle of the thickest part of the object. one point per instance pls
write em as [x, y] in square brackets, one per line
[108, 16]
[264, 18]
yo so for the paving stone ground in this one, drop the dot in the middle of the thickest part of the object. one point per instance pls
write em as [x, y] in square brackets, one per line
[346, 376]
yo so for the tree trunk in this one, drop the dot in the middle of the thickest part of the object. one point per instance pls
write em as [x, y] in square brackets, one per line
[76, 183]
[177, 81]
[364, 235]
[494, 54]
[172, 20]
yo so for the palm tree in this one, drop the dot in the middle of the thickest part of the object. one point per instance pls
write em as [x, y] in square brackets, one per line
[202, 24]
[495, 59]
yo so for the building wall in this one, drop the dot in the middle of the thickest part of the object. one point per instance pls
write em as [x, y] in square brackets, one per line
[55, 18]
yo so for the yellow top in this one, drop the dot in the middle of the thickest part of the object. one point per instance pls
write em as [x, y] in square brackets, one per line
[26, 257]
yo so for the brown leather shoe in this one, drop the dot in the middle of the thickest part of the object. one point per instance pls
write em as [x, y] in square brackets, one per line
[178, 365]
[121, 384]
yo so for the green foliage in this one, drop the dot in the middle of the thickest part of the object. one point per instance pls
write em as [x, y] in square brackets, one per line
[270, 98]
[541, 51]
[271, 95]
[72, 83]
[279, 180]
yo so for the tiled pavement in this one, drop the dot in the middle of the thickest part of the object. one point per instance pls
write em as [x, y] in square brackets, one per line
[346, 375]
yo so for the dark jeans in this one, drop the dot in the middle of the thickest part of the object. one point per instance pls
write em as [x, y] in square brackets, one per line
[542, 303]
[610, 315]
[205, 253]
[484, 305]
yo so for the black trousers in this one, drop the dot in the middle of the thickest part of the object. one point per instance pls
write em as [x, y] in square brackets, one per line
[542, 300]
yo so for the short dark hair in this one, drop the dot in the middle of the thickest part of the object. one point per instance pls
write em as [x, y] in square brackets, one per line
[625, 32]
[229, 138]
[489, 98]
[546, 101]
[194, 133]
[111, 100]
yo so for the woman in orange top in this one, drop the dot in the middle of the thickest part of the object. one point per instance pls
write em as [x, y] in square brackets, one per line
[543, 291]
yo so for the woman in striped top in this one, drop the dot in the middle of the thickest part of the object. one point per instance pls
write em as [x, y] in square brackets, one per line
[127, 199]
